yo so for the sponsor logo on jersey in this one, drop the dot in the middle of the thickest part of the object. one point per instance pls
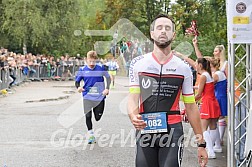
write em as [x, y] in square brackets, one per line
[133, 62]
[152, 69]
[146, 84]
[131, 69]
[171, 69]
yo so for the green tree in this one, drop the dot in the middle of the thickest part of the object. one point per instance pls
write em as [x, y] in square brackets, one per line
[210, 17]
[44, 26]
[22, 21]
[50, 26]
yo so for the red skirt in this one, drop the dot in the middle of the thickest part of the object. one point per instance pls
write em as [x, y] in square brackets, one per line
[210, 108]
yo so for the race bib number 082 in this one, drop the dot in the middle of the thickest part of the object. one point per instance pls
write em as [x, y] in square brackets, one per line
[156, 122]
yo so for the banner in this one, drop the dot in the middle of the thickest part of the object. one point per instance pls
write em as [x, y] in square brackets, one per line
[239, 19]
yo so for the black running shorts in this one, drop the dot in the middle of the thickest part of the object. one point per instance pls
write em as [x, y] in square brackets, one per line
[162, 149]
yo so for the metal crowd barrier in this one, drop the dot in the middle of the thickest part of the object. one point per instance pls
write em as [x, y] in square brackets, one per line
[43, 72]
[5, 78]
[38, 72]
[20, 77]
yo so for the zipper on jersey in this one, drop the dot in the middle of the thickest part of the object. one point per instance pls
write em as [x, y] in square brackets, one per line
[159, 86]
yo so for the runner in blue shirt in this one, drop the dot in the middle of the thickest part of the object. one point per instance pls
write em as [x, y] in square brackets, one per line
[94, 91]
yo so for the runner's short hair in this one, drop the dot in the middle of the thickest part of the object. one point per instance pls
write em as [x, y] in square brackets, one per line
[92, 55]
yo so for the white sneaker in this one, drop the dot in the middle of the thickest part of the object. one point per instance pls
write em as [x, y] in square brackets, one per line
[217, 149]
[211, 155]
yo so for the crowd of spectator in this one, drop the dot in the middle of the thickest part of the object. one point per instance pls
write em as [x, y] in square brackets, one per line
[36, 66]
[130, 49]
[133, 48]
[43, 66]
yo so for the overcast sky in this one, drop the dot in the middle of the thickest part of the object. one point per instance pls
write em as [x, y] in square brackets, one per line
[172, 1]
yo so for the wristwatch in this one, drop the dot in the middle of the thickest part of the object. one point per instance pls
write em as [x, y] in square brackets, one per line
[203, 144]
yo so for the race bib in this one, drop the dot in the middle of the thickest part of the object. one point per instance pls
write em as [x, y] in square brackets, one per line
[93, 90]
[156, 122]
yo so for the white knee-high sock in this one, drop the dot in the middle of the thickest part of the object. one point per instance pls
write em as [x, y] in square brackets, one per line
[209, 143]
[215, 136]
[222, 127]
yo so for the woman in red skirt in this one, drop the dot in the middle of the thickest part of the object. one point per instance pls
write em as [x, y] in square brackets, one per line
[210, 110]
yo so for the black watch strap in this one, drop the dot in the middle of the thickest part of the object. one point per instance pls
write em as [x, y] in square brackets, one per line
[202, 144]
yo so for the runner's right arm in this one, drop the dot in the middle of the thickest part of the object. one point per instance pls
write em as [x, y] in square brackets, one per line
[194, 119]
[79, 77]
[133, 99]
[77, 84]
[133, 112]
[193, 115]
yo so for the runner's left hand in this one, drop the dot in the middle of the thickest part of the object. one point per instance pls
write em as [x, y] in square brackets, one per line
[202, 157]
[105, 92]
[80, 89]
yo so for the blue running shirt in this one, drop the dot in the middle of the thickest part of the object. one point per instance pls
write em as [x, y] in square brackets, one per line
[93, 82]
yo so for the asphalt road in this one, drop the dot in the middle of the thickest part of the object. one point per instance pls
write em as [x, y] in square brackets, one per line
[42, 125]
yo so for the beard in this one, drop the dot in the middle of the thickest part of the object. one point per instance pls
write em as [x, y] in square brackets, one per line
[163, 45]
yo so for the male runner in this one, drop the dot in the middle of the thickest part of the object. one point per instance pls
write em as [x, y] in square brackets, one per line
[93, 91]
[112, 69]
[156, 81]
